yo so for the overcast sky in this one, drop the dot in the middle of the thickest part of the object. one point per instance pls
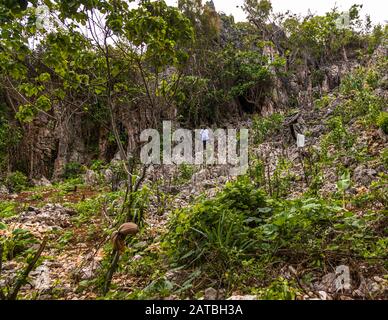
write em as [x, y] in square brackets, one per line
[377, 9]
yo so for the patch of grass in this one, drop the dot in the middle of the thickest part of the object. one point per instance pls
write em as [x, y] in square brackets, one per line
[69, 185]
[86, 210]
[266, 126]
[65, 239]
[279, 289]
[8, 209]
[384, 157]
[36, 197]
[17, 243]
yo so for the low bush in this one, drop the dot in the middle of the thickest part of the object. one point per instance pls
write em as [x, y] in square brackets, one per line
[217, 231]
[185, 173]
[16, 181]
[266, 126]
[87, 209]
[72, 170]
[339, 135]
[16, 242]
[279, 289]
[242, 229]
[7, 209]
[382, 121]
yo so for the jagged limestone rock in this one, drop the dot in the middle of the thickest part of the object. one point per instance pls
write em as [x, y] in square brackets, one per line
[91, 178]
[42, 182]
[3, 190]
[51, 215]
[211, 294]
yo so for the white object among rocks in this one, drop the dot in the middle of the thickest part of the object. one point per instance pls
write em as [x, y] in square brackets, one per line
[300, 140]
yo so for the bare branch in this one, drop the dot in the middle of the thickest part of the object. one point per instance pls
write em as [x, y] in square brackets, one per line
[21, 280]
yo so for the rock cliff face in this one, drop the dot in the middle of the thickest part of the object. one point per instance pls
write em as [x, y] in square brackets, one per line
[49, 143]
[37, 149]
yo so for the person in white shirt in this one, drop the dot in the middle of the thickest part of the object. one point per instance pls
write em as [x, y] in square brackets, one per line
[204, 133]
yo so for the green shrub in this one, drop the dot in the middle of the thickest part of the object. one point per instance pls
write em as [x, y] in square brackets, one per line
[87, 209]
[72, 170]
[186, 172]
[282, 177]
[242, 195]
[135, 208]
[312, 228]
[241, 229]
[295, 224]
[343, 184]
[372, 78]
[257, 170]
[280, 289]
[69, 185]
[98, 165]
[353, 82]
[360, 100]
[339, 135]
[7, 209]
[217, 231]
[263, 127]
[382, 121]
[16, 181]
[323, 102]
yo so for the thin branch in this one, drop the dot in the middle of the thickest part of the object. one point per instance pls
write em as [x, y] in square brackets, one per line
[21, 280]
[141, 178]
[111, 271]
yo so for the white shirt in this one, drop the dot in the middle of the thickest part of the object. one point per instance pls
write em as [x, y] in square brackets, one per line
[204, 134]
